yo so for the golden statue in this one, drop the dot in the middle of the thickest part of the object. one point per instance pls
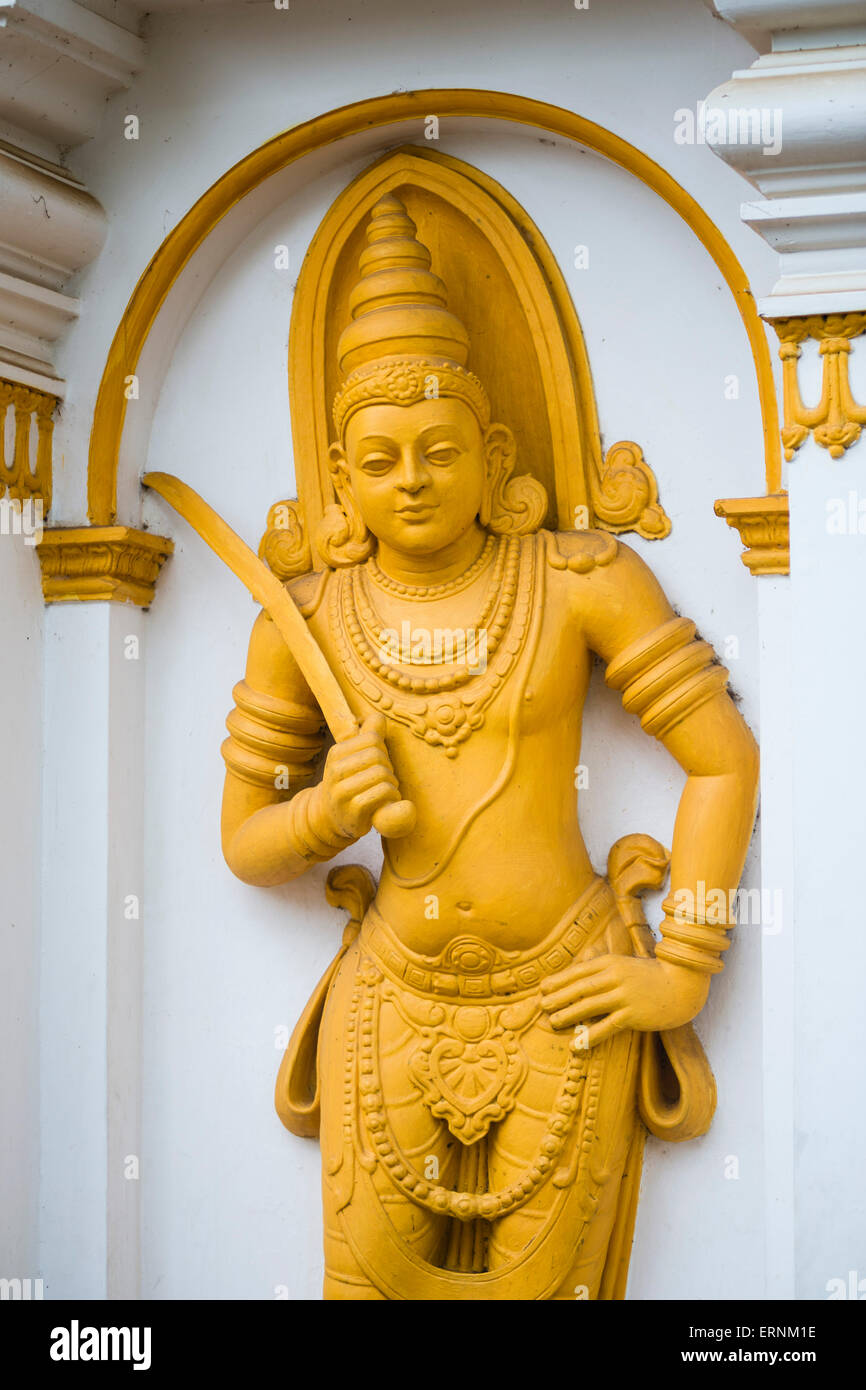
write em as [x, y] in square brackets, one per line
[499, 1028]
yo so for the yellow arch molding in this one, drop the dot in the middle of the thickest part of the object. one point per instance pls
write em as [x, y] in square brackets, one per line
[284, 149]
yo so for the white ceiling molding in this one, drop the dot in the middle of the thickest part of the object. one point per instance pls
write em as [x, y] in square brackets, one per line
[58, 63]
[794, 125]
[51, 227]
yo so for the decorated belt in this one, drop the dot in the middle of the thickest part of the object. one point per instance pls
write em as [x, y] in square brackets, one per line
[474, 969]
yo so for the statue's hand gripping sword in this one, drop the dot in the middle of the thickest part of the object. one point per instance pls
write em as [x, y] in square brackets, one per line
[391, 821]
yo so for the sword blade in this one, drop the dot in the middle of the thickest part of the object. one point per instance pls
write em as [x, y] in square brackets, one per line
[267, 590]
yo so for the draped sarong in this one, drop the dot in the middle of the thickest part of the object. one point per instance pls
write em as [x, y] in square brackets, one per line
[477, 1152]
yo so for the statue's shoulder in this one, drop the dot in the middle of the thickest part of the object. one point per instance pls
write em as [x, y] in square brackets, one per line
[580, 552]
[608, 573]
[308, 589]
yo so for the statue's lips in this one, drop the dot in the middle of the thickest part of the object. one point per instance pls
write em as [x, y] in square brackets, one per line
[418, 513]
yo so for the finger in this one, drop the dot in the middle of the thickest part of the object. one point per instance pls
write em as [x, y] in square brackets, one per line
[579, 989]
[364, 781]
[360, 761]
[589, 1008]
[576, 972]
[368, 803]
[614, 1023]
[358, 743]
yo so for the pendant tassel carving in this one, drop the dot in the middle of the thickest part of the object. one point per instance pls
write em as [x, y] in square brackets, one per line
[22, 477]
[837, 420]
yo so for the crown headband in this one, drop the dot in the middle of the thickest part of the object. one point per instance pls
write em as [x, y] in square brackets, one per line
[406, 380]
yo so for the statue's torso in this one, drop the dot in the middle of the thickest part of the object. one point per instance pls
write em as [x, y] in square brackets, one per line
[497, 851]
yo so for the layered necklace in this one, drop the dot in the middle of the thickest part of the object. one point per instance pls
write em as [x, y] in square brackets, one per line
[424, 593]
[439, 698]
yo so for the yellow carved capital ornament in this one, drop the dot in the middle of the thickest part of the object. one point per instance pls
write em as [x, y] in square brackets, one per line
[836, 420]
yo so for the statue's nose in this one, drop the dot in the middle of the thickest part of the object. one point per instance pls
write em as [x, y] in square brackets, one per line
[413, 474]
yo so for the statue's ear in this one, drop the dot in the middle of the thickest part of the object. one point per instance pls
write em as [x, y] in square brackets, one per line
[342, 537]
[500, 454]
[338, 467]
[337, 463]
[509, 506]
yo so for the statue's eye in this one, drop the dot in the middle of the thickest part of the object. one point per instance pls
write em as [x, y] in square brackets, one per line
[377, 463]
[443, 453]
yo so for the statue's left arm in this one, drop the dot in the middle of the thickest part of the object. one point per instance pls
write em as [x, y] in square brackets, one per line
[672, 681]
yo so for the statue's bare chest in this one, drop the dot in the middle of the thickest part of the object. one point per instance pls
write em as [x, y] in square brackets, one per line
[491, 656]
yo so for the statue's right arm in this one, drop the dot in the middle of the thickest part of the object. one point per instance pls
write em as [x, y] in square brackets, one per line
[277, 818]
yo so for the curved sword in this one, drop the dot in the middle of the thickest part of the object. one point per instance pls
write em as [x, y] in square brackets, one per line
[392, 821]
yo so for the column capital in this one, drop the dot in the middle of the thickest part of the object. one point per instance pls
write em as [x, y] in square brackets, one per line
[762, 523]
[116, 563]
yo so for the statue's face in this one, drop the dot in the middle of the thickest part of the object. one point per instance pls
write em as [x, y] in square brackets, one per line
[416, 472]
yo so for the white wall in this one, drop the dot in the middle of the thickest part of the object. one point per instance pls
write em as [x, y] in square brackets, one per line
[229, 1199]
[829, 675]
[20, 805]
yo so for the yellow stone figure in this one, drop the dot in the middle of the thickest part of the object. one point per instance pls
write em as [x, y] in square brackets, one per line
[483, 1056]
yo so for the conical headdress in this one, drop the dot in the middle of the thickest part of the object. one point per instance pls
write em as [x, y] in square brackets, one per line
[402, 343]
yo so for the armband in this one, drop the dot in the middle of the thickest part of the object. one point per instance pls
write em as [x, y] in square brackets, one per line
[666, 675]
[271, 738]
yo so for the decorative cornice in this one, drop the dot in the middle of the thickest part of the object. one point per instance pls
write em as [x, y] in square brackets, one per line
[793, 124]
[836, 421]
[763, 526]
[52, 228]
[61, 63]
[115, 563]
[776, 16]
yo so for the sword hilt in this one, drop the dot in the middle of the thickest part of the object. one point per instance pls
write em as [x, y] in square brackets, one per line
[395, 820]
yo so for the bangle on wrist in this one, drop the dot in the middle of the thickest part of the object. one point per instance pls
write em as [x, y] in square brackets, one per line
[696, 946]
[675, 953]
[305, 838]
[680, 915]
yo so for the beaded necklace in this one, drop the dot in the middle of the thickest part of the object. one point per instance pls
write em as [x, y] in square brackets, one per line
[366, 628]
[442, 709]
[425, 593]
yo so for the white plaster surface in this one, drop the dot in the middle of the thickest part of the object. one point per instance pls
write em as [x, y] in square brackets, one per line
[229, 1201]
[21, 629]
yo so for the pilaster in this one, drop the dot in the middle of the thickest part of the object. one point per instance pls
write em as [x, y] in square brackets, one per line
[805, 97]
[92, 912]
